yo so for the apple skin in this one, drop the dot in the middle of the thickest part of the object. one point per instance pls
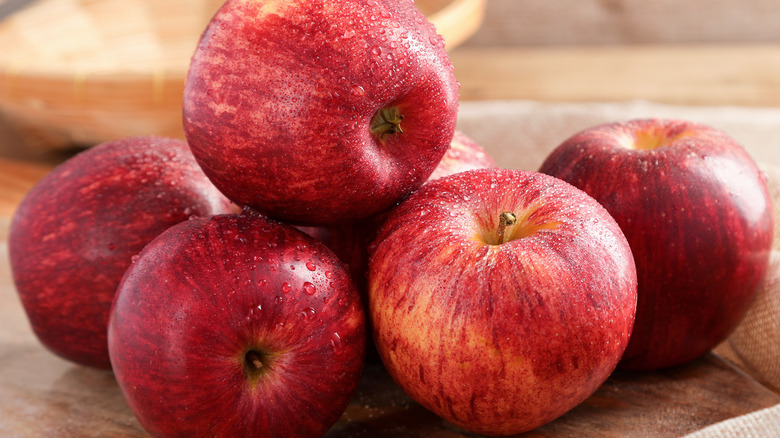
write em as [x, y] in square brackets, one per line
[206, 293]
[696, 211]
[281, 96]
[500, 338]
[74, 234]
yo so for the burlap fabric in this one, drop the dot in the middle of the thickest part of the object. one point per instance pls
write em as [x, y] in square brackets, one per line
[520, 134]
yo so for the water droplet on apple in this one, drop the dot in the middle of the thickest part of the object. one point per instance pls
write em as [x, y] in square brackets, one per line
[311, 266]
[309, 313]
[279, 299]
[376, 50]
[279, 325]
[336, 342]
[309, 288]
[286, 287]
[328, 275]
[349, 33]
[357, 90]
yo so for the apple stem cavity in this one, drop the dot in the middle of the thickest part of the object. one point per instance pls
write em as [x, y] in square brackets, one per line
[256, 363]
[386, 121]
[506, 219]
[655, 138]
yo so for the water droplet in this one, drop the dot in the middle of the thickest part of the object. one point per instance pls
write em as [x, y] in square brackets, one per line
[286, 287]
[279, 299]
[357, 90]
[309, 288]
[349, 33]
[309, 313]
[279, 325]
[335, 342]
[376, 50]
[328, 275]
[311, 266]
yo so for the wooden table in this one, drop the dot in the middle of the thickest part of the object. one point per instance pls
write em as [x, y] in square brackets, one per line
[42, 395]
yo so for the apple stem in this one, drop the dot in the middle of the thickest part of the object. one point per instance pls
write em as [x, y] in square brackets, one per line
[254, 363]
[506, 219]
[386, 121]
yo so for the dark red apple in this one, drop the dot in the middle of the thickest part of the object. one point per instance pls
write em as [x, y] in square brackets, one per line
[500, 299]
[237, 326]
[696, 211]
[319, 111]
[74, 234]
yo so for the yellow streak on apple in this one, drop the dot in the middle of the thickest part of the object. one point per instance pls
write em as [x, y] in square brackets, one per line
[653, 139]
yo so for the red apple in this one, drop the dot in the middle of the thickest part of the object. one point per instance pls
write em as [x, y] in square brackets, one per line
[696, 211]
[74, 234]
[463, 154]
[319, 111]
[500, 299]
[237, 326]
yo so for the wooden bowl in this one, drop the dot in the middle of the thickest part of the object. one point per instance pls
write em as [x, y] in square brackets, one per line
[79, 72]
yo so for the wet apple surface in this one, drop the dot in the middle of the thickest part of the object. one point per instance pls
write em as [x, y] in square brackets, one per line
[237, 326]
[695, 208]
[332, 127]
[500, 299]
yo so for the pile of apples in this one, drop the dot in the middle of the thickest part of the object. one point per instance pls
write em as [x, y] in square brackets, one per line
[323, 199]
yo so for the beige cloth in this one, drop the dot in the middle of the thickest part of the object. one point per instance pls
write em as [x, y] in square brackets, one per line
[760, 424]
[520, 134]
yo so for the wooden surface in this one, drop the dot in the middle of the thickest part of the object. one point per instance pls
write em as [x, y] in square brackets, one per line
[746, 75]
[41, 395]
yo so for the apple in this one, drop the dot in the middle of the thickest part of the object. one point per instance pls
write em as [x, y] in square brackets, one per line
[74, 234]
[237, 326]
[500, 299]
[696, 211]
[319, 111]
[463, 154]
